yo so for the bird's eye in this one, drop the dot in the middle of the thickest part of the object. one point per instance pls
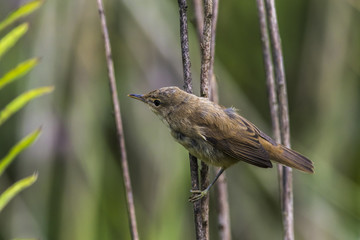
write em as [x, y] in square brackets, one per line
[157, 102]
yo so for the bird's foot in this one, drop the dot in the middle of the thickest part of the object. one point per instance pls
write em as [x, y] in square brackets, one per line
[197, 195]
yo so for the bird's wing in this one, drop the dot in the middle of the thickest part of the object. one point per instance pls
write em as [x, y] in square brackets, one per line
[239, 140]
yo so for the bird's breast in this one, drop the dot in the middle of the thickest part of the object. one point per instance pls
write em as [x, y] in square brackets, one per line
[203, 150]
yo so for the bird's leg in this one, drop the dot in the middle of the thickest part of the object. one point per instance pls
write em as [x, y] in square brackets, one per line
[198, 194]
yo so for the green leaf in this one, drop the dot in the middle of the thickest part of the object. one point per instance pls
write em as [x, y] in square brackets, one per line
[17, 72]
[14, 189]
[19, 102]
[18, 148]
[12, 37]
[22, 11]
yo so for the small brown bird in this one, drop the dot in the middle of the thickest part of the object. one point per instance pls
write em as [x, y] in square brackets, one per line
[216, 135]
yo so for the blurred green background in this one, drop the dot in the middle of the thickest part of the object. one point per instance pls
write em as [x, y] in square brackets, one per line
[79, 193]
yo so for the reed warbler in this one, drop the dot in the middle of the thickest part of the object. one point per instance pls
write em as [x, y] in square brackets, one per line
[216, 135]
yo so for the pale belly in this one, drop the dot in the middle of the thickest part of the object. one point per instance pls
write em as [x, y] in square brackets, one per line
[203, 150]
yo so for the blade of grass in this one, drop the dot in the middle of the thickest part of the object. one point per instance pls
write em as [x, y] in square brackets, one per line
[22, 11]
[14, 189]
[18, 148]
[19, 102]
[12, 37]
[17, 72]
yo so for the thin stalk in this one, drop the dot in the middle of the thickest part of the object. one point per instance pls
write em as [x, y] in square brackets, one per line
[221, 185]
[213, 95]
[269, 71]
[185, 52]
[222, 201]
[200, 231]
[119, 127]
[270, 81]
[199, 17]
[277, 58]
[205, 47]
[215, 13]
[224, 226]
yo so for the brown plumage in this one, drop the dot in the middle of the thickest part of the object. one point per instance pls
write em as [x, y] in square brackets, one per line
[216, 135]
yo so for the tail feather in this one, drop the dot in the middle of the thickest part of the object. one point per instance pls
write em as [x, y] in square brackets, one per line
[294, 159]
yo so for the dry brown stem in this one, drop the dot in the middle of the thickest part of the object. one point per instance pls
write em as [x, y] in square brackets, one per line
[222, 201]
[270, 81]
[278, 103]
[119, 127]
[200, 231]
[206, 62]
[199, 17]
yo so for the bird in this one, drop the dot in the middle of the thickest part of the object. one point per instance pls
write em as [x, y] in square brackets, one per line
[217, 135]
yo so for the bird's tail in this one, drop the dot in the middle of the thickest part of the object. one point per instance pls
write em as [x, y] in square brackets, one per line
[294, 159]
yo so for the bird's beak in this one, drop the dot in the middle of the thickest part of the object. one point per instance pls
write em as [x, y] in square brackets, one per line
[137, 96]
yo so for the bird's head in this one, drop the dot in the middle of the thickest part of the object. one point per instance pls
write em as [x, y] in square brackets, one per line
[163, 101]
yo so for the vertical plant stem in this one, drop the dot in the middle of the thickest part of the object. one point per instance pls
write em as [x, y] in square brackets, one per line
[199, 17]
[185, 52]
[277, 57]
[270, 82]
[119, 127]
[205, 47]
[213, 95]
[224, 226]
[215, 12]
[269, 70]
[200, 231]
[222, 200]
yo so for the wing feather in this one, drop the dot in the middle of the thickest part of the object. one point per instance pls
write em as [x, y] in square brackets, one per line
[235, 137]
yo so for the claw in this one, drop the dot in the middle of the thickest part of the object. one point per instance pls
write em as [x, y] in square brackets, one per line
[197, 195]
